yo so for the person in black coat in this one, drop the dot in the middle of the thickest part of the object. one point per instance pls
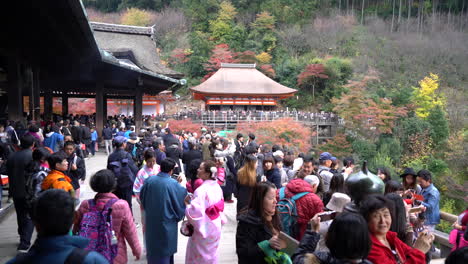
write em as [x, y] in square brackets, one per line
[272, 173]
[259, 226]
[17, 176]
[175, 153]
[191, 155]
[86, 138]
[76, 133]
[123, 190]
[76, 167]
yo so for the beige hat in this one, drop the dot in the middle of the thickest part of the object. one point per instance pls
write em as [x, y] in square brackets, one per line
[338, 202]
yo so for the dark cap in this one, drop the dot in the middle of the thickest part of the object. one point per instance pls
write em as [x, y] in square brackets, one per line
[408, 171]
[120, 139]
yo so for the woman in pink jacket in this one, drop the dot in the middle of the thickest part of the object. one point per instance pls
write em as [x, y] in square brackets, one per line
[103, 182]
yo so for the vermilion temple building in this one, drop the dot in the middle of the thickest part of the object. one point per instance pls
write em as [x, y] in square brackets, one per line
[240, 87]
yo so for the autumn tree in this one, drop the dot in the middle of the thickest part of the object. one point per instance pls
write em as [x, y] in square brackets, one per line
[220, 54]
[425, 96]
[312, 75]
[247, 57]
[178, 126]
[367, 116]
[268, 70]
[263, 58]
[285, 132]
[136, 17]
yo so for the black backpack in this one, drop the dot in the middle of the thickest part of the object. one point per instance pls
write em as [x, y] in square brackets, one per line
[122, 172]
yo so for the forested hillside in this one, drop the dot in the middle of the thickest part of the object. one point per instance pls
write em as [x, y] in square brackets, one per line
[396, 70]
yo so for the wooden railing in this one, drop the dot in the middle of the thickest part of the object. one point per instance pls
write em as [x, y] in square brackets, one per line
[443, 238]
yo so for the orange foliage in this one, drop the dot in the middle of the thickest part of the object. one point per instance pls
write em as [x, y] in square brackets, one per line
[284, 132]
[187, 125]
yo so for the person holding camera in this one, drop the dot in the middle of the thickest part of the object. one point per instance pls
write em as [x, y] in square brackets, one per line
[387, 248]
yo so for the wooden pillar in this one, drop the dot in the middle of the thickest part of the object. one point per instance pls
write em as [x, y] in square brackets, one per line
[48, 101]
[15, 89]
[138, 108]
[99, 107]
[104, 109]
[36, 94]
[64, 102]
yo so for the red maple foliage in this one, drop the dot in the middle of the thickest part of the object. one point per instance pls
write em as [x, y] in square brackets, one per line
[186, 125]
[268, 70]
[311, 74]
[221, 54]
[284, 132]
[247, 56]
[179, 56]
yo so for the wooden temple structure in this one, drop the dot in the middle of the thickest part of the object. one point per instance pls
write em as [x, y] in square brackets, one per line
[240, 87]
[49, 50]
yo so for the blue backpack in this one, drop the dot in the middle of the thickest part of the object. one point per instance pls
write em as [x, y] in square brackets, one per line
[122, 172]
[288, 211]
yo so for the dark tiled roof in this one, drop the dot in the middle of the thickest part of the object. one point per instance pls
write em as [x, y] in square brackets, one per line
[137, 41]
[121, 28]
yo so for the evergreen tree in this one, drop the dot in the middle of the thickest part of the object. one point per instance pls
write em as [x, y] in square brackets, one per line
[439, 124]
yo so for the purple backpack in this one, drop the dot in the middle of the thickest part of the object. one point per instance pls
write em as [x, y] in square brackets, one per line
[97, 227]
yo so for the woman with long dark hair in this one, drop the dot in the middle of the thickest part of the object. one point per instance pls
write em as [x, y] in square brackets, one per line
[259, 226]
[336, 185]
[400, 223]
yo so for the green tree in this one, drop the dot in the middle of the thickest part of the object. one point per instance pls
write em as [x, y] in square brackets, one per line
[223, 29]
[201, 12]
[262, 36]
[364, 149]
[439, 124]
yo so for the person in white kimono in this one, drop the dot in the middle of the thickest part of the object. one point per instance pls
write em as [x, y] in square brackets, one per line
[204, 212]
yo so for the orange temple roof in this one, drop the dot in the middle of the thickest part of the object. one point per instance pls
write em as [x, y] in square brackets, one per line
[241, 79]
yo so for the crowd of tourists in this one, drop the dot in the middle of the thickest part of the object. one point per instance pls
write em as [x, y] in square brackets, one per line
[291, 207]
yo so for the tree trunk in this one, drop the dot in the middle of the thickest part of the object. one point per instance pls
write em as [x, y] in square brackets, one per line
[461, 15]
[409, 16]
[399, 12]
[393, 16]
[362, 12]
[434, 9]
[420, 12]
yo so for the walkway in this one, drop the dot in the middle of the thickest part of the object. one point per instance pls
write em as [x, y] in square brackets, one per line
[9, 237]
